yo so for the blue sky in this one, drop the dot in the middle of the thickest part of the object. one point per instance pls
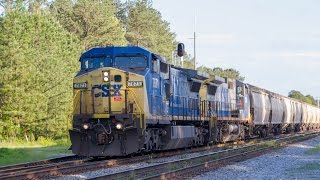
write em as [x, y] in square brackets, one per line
[275, 44]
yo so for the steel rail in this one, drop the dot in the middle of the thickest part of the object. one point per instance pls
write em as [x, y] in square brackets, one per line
[12, 170]
[37, 163]
[174, 169]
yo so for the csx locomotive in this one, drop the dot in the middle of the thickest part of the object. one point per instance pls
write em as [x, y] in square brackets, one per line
[129, 100]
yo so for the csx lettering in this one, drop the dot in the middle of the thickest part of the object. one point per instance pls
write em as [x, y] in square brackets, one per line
[106, 91]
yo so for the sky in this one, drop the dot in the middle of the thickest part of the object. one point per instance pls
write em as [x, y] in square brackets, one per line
[275, 44]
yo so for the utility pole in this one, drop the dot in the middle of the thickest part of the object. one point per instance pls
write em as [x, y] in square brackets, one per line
[318, 101]
[174, 58]
[194, 39]
[194, 50]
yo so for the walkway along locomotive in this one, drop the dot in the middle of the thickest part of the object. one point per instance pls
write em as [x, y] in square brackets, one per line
[129, 100]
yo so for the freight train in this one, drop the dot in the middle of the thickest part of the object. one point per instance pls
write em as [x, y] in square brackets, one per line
[129, 100]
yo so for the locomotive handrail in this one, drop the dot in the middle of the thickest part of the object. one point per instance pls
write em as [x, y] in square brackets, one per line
[137, 102]
[74, 97]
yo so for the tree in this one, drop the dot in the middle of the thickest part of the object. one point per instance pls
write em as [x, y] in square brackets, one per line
[122, 9]
[38, 60]
[145, 27]
[94, 22]
[310, 99]
[296, 95]
[299, 96]
[230, 73]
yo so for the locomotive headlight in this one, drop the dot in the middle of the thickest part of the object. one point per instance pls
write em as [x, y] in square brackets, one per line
[119, 126]
[85, 126]
[106, 79]
[105, 76]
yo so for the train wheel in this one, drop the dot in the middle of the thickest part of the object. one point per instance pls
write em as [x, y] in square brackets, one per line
[263, 133]
[276, 131]
[288, 129]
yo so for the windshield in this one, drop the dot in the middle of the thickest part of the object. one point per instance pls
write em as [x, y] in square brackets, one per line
[93, 63]
[131, 62]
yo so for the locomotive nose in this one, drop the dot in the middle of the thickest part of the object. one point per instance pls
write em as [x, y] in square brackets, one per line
[102, 93]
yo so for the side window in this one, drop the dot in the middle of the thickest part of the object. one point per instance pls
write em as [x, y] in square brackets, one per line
[240, 90]
[86, 64]
[195, 86]
[155, 65]
[167, 89]
[212, 89]
[164, 67]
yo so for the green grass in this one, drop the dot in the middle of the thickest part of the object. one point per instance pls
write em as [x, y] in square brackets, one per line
[313, 151]
[41, 142]
[17, 152]
[269, 143]
[310, 167]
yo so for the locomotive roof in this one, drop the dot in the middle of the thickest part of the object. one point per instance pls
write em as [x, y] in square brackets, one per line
[112, 50]
[194, 73]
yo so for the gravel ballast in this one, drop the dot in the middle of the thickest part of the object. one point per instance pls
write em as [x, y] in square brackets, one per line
[297, 161]
[112, 170]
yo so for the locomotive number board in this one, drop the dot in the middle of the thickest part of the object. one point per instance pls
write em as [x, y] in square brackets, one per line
[80, 85]
[134, 84]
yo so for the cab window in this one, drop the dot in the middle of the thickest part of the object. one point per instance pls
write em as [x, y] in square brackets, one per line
[131, 61]
[94, 63]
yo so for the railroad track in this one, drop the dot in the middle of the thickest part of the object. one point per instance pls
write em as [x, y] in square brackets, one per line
[12, 170]
[189, 167]
[75, 164]
[67, 165]
[38, 163]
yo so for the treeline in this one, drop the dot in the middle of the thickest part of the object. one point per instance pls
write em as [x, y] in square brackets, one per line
[230, 73]
[40, 43]
[305, 98]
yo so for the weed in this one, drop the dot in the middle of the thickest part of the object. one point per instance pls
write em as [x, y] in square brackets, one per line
[310, 167]
[172, 166]
[215, 156]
